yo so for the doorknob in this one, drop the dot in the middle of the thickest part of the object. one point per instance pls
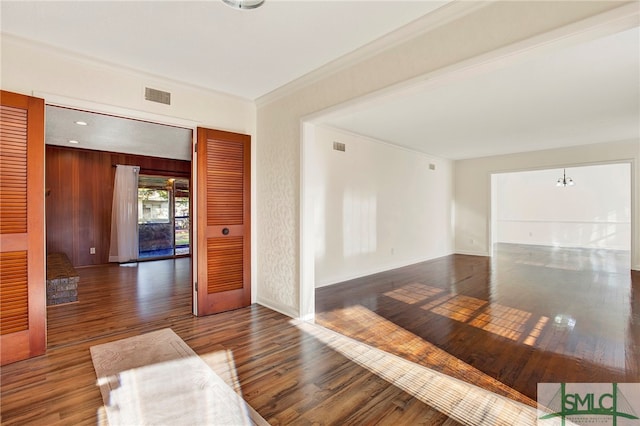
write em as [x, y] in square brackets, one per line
[225, 231]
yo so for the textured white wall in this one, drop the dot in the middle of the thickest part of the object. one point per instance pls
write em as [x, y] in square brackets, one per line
[377, 206]
[279, 131]
[593, 213]
[472, 184]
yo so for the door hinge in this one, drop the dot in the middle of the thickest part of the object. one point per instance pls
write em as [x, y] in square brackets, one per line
[195, 286]
[195, 147]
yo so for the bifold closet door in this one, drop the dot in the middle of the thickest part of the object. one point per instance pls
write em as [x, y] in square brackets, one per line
[22, 237]
[224, 219]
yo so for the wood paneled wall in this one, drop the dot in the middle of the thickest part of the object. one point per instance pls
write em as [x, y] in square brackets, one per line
[79, 184]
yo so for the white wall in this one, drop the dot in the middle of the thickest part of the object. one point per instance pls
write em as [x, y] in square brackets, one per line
[472, 187]
[451, 40]
[377, 206]
[593, 213]
[66, 79]
[31, 68]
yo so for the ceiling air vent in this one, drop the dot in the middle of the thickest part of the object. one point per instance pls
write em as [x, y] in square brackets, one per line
[155, 95]
[339, 146]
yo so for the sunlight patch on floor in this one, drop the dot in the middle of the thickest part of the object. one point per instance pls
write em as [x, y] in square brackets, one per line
[461, 401]
[223, 364]
[460, 308]
[180, 391]
[495, 318]
[413, 293]
[502, 320]
[156, 378]
[537, 329]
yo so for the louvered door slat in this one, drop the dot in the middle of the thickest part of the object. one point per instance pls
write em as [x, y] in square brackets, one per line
[224, 221]
[224, 264]
[14, 300]
[22, 293]
[225, 180]
[14, 297]
[13, 170]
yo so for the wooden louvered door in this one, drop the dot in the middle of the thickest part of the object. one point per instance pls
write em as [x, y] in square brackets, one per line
[22, 259]
[224, 219]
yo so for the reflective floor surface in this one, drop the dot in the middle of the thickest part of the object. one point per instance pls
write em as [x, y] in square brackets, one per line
[528, 314]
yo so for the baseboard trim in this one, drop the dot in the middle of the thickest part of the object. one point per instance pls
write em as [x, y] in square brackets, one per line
[338, 280]
[472, 253]
[278, 307]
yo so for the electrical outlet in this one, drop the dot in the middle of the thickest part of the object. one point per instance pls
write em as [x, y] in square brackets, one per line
[92, 250]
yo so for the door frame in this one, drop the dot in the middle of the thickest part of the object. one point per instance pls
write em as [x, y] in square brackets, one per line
[68, 102]
[492, 225]
[236, 298]
[594, 27]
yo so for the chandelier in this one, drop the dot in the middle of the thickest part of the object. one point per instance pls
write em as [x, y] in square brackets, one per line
[564, 180]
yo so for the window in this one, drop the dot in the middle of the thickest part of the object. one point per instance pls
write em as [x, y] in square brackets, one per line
[163, 216]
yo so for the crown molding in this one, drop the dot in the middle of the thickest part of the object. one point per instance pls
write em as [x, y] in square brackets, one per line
[618, 19]
[432, 20]
[122, 69]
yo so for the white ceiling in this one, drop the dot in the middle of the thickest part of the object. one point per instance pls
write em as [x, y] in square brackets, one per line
[115, 134]
[583, 94]
[247, 53]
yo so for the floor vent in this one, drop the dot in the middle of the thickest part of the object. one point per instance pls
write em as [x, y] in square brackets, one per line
[155, 95]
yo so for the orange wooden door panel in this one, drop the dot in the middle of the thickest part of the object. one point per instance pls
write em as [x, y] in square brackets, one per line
[224, 218]
[22, 258]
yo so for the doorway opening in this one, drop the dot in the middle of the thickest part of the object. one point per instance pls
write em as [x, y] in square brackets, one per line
[79, 181]
[593, 213]
[163, 217]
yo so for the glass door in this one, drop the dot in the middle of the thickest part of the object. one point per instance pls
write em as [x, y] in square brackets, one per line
[163, 217]
[182, 220]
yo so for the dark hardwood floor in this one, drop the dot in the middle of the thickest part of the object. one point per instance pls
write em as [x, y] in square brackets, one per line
[290, 376]
[525, 316]
[530, 314]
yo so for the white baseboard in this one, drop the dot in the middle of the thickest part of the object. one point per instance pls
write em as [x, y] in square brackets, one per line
[278, 307]
[341, 279]
[473, 253]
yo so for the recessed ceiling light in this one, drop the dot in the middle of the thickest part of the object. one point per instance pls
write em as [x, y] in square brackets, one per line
[73, 141]
[81, 123]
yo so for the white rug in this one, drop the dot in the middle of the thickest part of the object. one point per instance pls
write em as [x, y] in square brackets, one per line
[157, 379]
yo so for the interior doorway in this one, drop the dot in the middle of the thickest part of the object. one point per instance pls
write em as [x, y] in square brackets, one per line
[582, 207]
[163, 217]
[83, 146]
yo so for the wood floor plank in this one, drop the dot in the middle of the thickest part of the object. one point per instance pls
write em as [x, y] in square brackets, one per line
[287, 375]
[530, 314]
[478, 319]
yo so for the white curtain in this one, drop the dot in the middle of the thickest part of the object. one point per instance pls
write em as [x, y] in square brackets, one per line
[124, 215]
